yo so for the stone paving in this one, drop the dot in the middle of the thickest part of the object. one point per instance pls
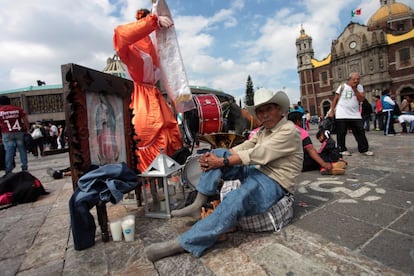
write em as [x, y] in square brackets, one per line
[360, 223]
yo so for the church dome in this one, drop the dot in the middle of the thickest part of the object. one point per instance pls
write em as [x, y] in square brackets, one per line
[302, 35]
[390, 12]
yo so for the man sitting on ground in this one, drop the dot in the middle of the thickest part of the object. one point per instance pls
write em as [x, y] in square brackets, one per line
[266, 165]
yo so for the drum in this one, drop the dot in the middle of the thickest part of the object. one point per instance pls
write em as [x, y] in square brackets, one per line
[208, 117]
[209, 112]
[191, 172]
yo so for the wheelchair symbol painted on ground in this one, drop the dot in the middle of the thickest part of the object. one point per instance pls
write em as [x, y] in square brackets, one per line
[333, 185]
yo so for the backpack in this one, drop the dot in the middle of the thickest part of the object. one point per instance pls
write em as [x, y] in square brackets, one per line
[24, 186]
[366, 108]
[327, 123]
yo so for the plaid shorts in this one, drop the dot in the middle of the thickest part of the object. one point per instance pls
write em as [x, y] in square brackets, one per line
[276, 217]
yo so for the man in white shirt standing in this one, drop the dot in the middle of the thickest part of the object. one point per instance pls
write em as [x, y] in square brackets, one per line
[346, 109]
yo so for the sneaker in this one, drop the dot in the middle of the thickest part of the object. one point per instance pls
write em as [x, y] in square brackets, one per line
[368, 153]
[377, 129]
[346, 153]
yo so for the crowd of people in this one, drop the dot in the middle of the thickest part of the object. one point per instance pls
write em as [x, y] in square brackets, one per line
[46, 135]
[384, 113]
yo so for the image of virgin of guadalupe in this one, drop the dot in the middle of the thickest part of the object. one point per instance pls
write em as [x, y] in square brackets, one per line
[105, 120]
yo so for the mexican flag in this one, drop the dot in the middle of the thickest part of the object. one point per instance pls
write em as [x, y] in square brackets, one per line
[356, 12]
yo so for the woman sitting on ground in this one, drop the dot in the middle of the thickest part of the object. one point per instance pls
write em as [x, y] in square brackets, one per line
[312, 159]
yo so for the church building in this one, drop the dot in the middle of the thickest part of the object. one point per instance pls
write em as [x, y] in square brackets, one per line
[381, 51]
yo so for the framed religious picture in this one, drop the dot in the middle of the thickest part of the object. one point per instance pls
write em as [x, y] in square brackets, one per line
[98, 119]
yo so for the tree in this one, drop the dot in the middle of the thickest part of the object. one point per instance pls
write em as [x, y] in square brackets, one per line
[248, 100]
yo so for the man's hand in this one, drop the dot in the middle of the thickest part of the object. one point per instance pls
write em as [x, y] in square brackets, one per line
[209, 161]
[327, 165]
[165, 21]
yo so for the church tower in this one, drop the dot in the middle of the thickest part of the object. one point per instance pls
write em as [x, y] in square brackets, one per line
[304, 51]
[304, 56]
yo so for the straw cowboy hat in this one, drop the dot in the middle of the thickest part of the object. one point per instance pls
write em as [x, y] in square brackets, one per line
[265, 96]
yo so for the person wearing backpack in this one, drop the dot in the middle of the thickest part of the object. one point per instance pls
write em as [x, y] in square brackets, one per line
[345, 108]
[388, 106]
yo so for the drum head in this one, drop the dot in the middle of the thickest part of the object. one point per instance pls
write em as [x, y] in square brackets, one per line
[191, 172]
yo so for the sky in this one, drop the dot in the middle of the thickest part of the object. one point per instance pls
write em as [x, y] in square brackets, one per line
[221, 42]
